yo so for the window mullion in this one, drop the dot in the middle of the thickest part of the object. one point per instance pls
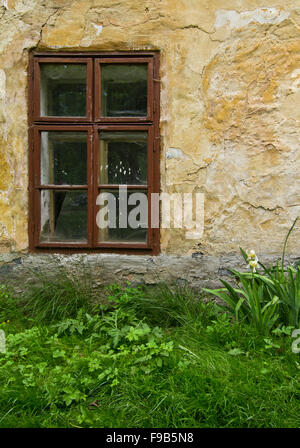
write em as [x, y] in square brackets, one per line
[91, 201]
[94, 183]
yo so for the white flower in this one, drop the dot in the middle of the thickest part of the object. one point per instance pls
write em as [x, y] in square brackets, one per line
[253, 264]
[251, 254]
[252, 260]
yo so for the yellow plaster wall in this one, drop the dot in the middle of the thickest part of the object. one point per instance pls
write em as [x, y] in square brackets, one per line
[230, 106]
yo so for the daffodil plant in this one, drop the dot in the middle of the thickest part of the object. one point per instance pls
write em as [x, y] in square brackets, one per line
[267, 298]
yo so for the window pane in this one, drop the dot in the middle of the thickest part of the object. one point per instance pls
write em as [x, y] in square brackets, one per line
[63, 216]
[63, 158]
[123, 158]
[124, 90]
[63, 90]
[126, 223]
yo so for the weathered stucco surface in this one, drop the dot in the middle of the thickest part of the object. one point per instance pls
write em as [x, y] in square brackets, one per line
[230, 108]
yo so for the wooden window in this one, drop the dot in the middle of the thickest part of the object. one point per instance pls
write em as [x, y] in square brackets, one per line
[94, 128]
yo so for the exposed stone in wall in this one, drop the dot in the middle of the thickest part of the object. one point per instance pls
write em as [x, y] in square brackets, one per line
[197, 271]
[230, 108]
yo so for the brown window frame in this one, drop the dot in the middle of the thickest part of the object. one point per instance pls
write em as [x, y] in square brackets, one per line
[92, 123]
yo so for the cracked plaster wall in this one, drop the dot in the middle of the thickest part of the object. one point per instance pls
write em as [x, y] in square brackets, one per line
[230, 108]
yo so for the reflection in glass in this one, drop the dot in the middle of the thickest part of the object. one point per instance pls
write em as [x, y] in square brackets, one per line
[123, 158]
[126, 223]
[63, 90]
[63, 158]
[63, 216]
[124, 90]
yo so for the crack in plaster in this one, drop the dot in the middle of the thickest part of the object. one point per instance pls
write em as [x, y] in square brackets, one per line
[45, 24]
[266, 209]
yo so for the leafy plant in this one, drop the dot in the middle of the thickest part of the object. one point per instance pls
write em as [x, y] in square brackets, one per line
[286, 286]
[8, 305]
[251, 301]
[284, 283]
[263, 300]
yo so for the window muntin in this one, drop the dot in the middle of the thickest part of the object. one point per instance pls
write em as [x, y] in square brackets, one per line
[73, 163]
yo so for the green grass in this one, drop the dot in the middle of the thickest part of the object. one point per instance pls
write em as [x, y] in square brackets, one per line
[148, 357]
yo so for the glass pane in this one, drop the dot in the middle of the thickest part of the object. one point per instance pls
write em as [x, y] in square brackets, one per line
[122, 217]
[63, 216]
[123, 158]
[63, 90]
[124, 90]
[63, 158]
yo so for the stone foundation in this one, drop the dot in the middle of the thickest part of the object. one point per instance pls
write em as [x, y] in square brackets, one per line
[198, 271]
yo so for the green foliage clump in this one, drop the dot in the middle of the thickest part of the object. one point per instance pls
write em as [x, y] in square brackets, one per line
[264, 299]
[143, 357]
